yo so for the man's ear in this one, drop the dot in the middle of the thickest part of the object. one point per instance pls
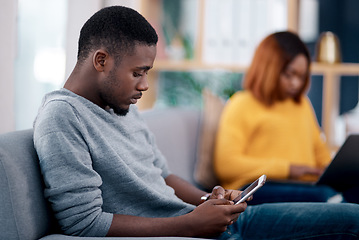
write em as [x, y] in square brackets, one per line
[100, 59]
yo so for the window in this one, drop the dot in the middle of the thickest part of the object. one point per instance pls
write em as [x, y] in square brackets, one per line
[40, 59]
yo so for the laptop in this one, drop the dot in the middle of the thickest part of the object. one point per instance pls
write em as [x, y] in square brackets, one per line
[343, 172]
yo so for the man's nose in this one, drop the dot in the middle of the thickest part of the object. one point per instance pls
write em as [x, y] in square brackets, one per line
[143, 83]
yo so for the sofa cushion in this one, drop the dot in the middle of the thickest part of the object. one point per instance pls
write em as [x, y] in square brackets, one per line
[176, 131]
[212, 109]
[24, 213]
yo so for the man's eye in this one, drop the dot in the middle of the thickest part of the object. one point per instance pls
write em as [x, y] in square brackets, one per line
[135, 74]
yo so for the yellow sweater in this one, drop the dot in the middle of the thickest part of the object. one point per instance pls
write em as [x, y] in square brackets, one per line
[253, 139]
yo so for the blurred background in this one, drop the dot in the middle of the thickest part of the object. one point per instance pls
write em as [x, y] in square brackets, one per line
[203, 44]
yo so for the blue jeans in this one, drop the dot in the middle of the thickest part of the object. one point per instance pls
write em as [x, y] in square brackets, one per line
[273, 192]
[294, 221]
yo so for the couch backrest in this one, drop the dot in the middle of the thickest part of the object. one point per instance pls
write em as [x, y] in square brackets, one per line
[24, 213]
[177, 132]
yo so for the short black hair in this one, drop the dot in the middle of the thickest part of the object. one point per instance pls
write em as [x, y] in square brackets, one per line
[118, 29]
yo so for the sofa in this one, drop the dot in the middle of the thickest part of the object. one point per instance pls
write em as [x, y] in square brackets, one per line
[24, 212]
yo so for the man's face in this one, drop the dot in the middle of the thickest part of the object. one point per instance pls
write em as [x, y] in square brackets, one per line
[125, 82]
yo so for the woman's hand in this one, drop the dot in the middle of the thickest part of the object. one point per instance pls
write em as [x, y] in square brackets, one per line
[298, 171]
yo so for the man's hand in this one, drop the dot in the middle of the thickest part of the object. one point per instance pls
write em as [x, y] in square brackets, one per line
[219, 192]
[227, 197]
[209, 219]
[214, 216]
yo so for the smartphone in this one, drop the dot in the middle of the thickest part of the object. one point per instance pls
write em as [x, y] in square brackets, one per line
[250, 190]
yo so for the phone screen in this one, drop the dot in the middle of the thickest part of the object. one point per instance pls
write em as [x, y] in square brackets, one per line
[247, 190]
[251, 189]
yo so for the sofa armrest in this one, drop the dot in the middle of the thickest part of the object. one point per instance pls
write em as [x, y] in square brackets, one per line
[24, 211]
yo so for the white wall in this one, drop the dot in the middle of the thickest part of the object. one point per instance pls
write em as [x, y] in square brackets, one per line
[78, 13]
[8, 49]
[77, 16]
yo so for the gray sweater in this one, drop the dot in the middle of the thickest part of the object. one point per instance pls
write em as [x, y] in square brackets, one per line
[96, 163]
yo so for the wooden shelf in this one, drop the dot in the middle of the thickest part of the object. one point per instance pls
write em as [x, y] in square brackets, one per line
[189, 65]
[331, 93]
[338, 68]
[344, 69]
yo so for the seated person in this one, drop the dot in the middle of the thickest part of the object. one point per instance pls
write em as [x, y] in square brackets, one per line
[270, 127]
[105, 176]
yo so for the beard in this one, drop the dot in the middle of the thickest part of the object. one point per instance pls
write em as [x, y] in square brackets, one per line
[119, 111]
[108, 96]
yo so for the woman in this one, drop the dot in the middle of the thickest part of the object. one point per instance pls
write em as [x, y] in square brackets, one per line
[270, 127]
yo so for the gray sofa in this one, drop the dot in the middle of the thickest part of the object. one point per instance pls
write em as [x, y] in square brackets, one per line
[25, 214]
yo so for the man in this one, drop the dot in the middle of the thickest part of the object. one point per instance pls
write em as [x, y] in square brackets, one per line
[103, 173]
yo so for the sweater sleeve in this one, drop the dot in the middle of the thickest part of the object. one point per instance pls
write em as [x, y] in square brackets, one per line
[233, 166]
[71, 184]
